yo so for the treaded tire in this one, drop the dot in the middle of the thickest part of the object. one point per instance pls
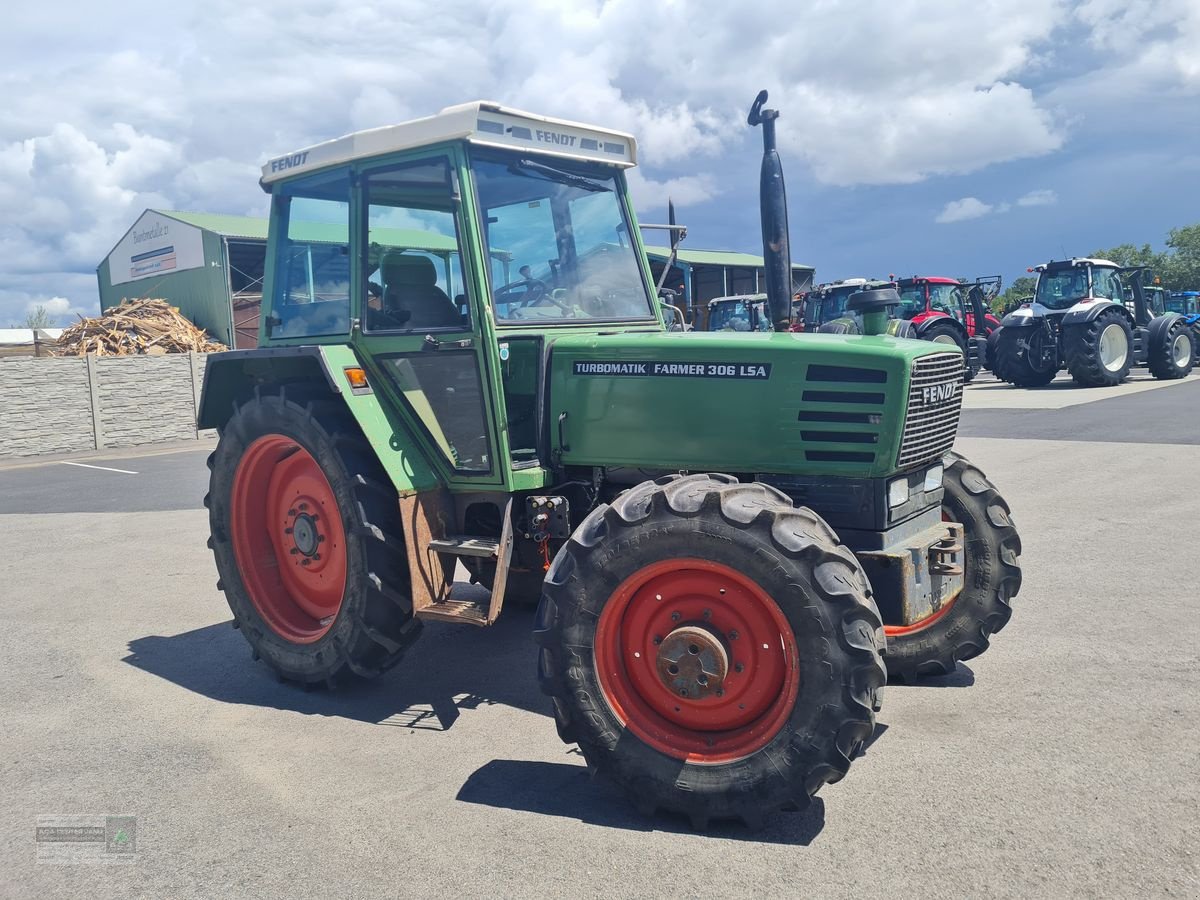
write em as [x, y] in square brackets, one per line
[1160, 359]
[1011, 364]
[374, 623]
[946, 330]
[794, 557]
[992, 577]
[1081, 349]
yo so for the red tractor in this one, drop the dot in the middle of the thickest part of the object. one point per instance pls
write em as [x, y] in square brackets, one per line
[945, 310]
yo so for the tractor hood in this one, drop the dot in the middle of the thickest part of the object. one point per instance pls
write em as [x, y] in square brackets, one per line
[753, 402]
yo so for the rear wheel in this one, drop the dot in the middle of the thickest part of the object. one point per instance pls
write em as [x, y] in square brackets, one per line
[1099, 352]
[1173, 351]
[305, 533]
[711, 648]
[961, 629]
[1012, 360]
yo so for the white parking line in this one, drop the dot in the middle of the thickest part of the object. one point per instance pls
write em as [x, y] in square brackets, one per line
[104, 468]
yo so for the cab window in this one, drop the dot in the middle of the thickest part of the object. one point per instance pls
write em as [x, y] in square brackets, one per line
[412, 260]
[311, 295]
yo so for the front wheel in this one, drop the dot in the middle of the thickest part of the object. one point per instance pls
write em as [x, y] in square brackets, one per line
[1020, 357]
[962, 628]
[711, 648]
[1099, 352]
[306, 536]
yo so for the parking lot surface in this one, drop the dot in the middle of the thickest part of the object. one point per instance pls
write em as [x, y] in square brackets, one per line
[1063, 762]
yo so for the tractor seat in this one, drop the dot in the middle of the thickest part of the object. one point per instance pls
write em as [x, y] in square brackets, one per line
[411, 294]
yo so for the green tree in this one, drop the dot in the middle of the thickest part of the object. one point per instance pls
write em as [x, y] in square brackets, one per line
[1182, 271]
[39, 317]
[1130, 255]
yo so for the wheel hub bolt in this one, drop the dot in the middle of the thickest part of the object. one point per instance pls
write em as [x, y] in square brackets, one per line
[675, 617]
[739, 667]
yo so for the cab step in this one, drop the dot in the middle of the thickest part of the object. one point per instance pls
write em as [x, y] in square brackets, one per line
[463, 545]
[464, 612]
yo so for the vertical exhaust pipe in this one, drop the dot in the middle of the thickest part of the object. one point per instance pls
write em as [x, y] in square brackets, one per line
[772, 201]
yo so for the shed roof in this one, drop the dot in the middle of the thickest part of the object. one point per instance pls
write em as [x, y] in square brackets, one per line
[712, 257]
[249, 228]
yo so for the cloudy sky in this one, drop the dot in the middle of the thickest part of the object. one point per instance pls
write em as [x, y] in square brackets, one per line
[917, 135]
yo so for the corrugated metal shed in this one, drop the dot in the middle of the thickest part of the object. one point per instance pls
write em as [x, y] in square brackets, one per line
[713, 257]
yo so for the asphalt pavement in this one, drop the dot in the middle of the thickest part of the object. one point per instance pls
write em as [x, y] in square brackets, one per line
[1063, 762]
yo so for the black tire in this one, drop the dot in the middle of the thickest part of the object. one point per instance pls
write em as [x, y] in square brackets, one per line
[374, 624]
[991, 578]
[792, 556]
[1081, 348]
[1012, 362]
[1167, 342]
[989, 358]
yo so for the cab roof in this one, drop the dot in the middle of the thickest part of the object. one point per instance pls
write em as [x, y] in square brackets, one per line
[1076, 261]
[481, 122]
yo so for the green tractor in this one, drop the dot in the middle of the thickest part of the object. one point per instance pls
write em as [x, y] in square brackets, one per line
[728, 534]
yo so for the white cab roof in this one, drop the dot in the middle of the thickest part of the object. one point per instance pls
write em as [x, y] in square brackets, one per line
[1078, 261]
[479, 122]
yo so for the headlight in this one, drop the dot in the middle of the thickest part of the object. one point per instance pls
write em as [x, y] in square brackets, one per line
[898, 492]
[933, 478]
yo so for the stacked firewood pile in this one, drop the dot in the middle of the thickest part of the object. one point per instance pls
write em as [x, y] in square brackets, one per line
[138, 326]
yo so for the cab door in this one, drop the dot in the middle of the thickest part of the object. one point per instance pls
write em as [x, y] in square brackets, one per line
[419, 316]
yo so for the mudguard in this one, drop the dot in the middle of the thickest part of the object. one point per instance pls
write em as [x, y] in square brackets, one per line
[1081, 313]
[236, 374]
[1021, 318]
[1156, 331]
[929, 321]
[844, 325]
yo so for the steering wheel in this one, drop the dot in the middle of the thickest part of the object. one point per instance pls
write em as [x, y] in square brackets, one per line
[532, 291]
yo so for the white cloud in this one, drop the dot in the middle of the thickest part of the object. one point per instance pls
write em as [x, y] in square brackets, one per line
[1042, 197]
[962, 210]
[99, 122]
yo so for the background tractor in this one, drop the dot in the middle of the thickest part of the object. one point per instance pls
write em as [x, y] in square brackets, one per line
[724, 531]
[746, 312]
[1090, 316]
[942, 310]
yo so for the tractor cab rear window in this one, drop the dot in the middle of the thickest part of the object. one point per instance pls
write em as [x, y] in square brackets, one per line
[558, 241]
[1062, 288]
[312, 287]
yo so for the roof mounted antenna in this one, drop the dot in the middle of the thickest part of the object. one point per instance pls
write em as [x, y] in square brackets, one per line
[772, 201]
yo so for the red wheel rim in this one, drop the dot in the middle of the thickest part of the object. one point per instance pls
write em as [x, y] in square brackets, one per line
[657, 617]
[922, 624]
[288, 538]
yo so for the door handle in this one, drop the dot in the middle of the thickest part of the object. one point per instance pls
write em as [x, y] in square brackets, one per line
[562, 440]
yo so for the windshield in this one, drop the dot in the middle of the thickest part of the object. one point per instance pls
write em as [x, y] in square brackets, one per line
[558, 241]
[737, 315]
[1062, 288]
[946, 298]
[912, 301]
[833, 304]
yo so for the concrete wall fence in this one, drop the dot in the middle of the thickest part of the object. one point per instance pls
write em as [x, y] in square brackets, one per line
[92, 403]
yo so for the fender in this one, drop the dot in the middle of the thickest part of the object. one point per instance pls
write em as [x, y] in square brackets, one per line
[1086, 312]
[844, 325]
[1024, 317]
[1156, 331]
[235, 375]
[923, 324]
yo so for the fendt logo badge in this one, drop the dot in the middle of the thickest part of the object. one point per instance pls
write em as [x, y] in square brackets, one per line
[938, 393]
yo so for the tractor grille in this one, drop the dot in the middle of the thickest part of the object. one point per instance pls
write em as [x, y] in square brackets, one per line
[934, 402]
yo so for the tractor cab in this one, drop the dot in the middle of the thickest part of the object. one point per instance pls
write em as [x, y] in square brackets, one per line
[743, 312]
[827, 302]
